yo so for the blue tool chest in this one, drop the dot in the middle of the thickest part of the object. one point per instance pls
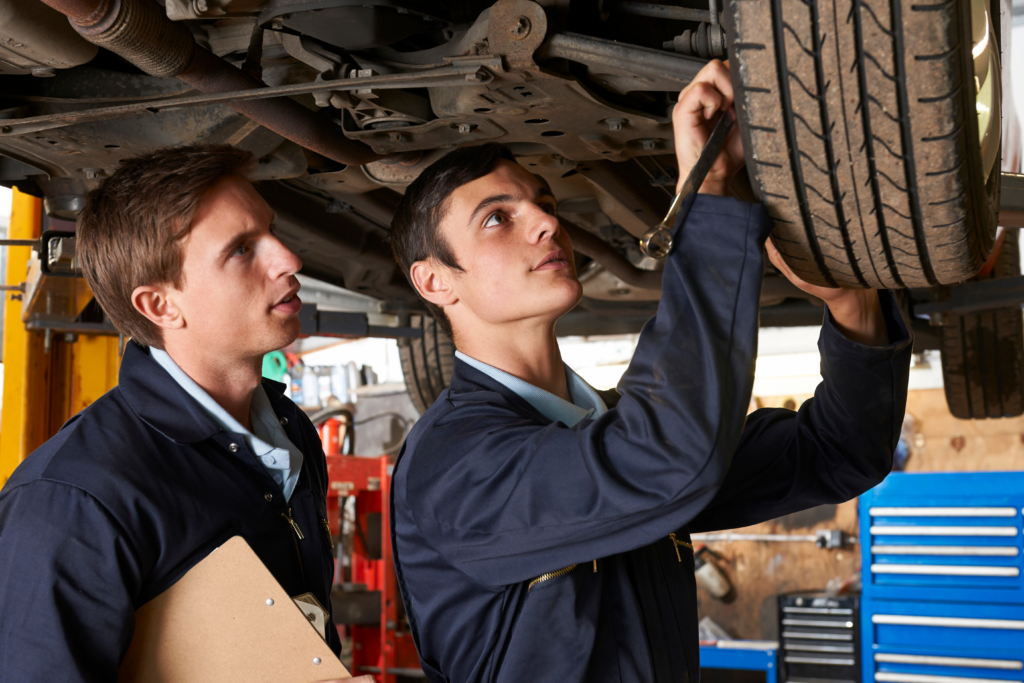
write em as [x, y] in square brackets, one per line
[943, 591]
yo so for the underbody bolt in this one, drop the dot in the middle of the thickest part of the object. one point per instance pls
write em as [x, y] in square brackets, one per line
[200, 6]
[92, 173]
[615, 124]
[521, 28]
[466, 128]
[474, 77]
[648, 143]
[396, 137]
[43, 72]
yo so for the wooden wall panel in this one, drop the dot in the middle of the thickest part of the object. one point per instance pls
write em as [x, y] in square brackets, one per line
[943, 443]
[760, 570]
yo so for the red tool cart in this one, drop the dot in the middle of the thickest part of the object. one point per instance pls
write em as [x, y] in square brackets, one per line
[366, 604]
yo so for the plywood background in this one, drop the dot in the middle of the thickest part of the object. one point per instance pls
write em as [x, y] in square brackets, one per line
[761, 570]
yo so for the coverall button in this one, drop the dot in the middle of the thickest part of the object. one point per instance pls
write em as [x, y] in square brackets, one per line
[233, 448]
[270, 460]
[284, 421]
[268, 497]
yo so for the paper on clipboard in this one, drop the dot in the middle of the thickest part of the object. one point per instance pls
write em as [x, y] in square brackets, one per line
[227, 620]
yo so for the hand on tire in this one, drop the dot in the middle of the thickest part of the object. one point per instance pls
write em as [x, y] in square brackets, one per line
[856, 312]
[693, 117]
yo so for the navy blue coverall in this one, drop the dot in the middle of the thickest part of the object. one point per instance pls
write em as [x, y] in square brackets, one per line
[127, 497]
[489, 496]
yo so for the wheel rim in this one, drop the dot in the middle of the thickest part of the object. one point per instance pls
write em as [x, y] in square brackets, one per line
[988, 90]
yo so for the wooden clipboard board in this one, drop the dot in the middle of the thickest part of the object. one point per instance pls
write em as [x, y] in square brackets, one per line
[227, 620]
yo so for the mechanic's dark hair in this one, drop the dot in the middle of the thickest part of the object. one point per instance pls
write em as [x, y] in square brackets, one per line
[414, 229]
[131, 229]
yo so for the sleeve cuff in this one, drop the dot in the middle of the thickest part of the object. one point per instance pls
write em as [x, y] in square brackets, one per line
[896, 323]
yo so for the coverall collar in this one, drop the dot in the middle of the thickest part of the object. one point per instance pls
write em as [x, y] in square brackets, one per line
[164, 405]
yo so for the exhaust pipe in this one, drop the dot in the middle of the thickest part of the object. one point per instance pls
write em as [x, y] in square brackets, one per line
[139, 31]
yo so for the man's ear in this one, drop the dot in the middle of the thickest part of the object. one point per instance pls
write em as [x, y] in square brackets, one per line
[153, 302]
[432, 281]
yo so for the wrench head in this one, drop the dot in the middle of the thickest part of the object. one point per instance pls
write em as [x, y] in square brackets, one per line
[657, 243]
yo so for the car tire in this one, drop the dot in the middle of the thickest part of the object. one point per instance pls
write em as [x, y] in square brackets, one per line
[859, 125]
[982, 370]
[427, 362]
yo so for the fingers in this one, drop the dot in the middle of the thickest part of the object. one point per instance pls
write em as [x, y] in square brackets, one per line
[699, 103]
[708, 93]
[776, 258]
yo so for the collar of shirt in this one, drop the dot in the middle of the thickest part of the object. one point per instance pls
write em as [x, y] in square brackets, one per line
[585, 401]
[267, 441]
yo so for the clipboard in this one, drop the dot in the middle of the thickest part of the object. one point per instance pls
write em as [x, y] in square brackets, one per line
[227, 620]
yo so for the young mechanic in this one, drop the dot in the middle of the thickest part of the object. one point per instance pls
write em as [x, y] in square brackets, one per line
[190, 449]
[542, 533]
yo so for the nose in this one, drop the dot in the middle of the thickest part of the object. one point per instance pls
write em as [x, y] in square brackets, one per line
[283, 262]
[543, 226]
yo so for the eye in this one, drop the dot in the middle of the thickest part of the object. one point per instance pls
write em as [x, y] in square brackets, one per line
[549, 208]
[495, 219]
[241, 250]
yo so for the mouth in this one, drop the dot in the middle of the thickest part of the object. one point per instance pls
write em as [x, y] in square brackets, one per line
[554, 261]
[289, 303]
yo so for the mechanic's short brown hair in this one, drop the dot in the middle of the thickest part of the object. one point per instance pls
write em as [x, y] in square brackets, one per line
[414, 230]
[131, 229]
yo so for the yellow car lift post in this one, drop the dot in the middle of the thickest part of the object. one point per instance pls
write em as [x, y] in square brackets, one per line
[47, 378]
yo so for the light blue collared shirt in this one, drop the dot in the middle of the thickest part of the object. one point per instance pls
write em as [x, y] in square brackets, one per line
[271, 446]
[586, 403]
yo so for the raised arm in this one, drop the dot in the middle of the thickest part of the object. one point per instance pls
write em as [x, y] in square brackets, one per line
[839, 444]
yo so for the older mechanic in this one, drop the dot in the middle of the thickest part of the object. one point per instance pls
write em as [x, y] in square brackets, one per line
[541, 532]
[190, 449]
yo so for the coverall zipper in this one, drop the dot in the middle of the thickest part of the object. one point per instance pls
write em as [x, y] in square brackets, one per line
[551, 575]
[676, 543]
[296, 537]
[327, 530]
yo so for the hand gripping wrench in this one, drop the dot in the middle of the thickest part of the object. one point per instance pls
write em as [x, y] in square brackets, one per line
[657, 242]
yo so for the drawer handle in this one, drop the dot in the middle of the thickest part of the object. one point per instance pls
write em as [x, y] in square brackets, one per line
[949, 622]
[888, 677]
[895, 530]
[842, 611]
[943, 512]
[817, 624]
[965, 662]
[826, 661]
[943, 570]
[966, 550]
[830, 649]
[817, 636]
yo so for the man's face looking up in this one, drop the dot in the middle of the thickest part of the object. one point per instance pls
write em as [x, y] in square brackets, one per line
[239, 293]
[517, 261]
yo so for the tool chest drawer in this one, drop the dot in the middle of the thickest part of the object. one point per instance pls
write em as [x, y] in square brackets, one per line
[944, 536]
[944, 665]
[952, 626]
[819, 639]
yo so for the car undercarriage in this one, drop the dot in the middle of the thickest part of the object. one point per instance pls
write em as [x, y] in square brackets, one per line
[344, 103]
